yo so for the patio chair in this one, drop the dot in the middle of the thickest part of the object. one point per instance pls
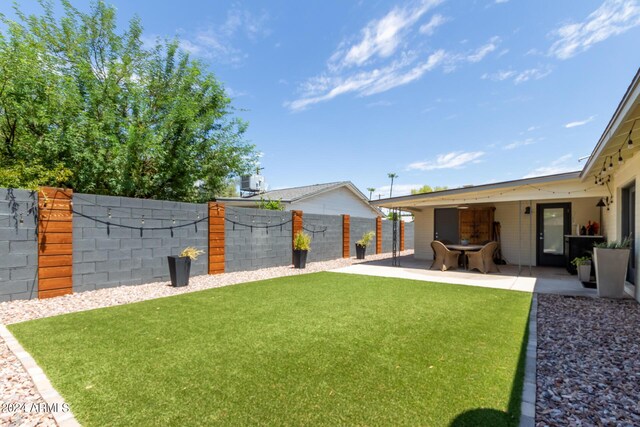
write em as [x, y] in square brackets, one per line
[443, 258]
[482, 260]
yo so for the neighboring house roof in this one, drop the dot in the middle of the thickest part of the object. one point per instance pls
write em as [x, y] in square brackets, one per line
[296, 194]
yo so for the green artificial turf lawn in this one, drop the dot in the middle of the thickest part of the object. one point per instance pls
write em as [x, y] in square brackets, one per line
[316, 349]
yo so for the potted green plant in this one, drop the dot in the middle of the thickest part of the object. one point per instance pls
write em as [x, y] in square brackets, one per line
[611, 261]
[180, 266]
[361, 245]
[583, 265]
[301, 246]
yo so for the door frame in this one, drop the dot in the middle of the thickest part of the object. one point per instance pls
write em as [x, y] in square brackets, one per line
[539, 227]
[435, 220]
[627, 222]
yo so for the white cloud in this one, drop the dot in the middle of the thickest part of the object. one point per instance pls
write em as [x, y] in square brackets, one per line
[560, 165]
[579, 123]
[379, 104]
[613, 17]
[453, 160]
[518, 76]
[217, 41]
[398, 190]
[532, 74]
[364, 83]
[520, 143]
[381, 37]
[430, 27]
[351, 68]
[484, 50]
[501, 1]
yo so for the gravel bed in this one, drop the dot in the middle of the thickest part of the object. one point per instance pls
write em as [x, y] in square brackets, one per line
[588, 362]
[23, 310]
[18, 388]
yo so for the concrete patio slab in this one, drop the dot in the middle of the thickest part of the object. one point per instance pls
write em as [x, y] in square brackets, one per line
[510, 277]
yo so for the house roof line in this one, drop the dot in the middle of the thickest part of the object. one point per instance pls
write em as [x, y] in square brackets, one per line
[483, 187]
[632, 93]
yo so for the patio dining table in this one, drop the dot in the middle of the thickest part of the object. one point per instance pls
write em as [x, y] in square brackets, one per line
[463, 249]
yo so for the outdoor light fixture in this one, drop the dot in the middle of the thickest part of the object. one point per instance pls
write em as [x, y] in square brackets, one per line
[630, 141]
[527, 210]
[611, 163]
[620, 159]
[601, 203]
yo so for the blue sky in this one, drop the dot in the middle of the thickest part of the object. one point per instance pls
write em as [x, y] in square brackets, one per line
[439, 92]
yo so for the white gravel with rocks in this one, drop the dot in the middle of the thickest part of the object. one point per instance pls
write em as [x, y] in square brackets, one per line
[588, 362]
[23, 310]
[18, 396]
[16, 386]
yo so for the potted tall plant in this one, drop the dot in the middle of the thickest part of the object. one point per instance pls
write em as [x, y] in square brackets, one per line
[583, 265]
[180, 266]
[611, 261]
[361, 245]
[301, 246]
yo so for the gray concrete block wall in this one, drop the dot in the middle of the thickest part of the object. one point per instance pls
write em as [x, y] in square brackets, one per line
[357, 227]
[409, 234]
[251, 249]
[108, 255]
[327, 245]
[387, 236]
[18, 244]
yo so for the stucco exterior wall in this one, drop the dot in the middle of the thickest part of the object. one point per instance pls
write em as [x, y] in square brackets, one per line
[518, 230]
[335, 202]
[623, 177]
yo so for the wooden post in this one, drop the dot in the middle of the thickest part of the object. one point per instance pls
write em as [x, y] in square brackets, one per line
[346, 235]
[379, 235]
[55, 242]
[216, 238]
[401, 235]
[296, 227]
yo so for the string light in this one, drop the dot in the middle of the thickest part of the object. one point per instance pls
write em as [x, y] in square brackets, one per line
[620, 159]
[21, 219]
[630, 141]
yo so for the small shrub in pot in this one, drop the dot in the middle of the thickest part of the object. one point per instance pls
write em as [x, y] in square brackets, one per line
[180, 266]
[301, 246]
[361, 245]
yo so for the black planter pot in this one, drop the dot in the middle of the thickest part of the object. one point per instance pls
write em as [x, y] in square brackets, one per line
[179, 270]
[360, 251]
[299, 258]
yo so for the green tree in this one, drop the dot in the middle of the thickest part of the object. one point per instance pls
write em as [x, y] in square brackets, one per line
[428, 189]
[88, 107]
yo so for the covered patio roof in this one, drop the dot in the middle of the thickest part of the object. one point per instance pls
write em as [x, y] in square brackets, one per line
[623, 126]
[549, 187]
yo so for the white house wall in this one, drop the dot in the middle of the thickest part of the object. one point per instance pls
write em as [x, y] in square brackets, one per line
[624, 176]
[335, 202]
[423, 234]
[517, 239]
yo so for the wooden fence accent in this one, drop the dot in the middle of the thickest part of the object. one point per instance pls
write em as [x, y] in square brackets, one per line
[401, 236]
[296, 224]
[216, 238]
[346, 235]
[55, 242]
[379, 235]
